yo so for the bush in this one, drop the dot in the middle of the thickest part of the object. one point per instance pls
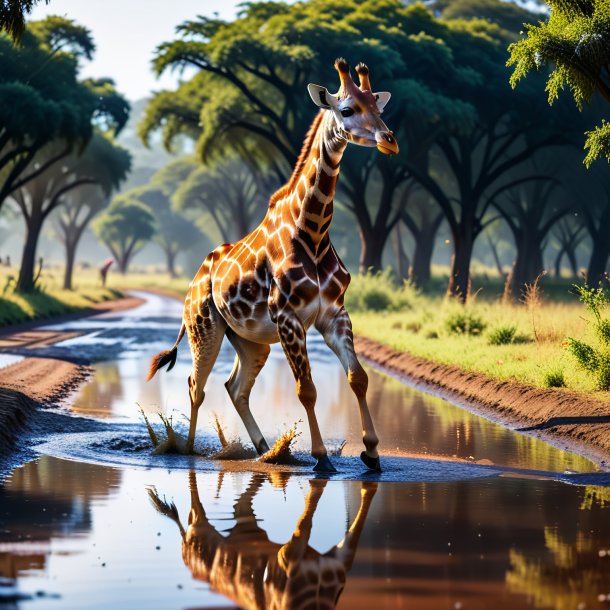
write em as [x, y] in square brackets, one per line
[378, 292]
[554, 379]
[503, 335]
[594, 359]
[464, 323]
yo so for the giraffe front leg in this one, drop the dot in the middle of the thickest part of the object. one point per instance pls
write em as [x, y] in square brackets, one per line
[293, 341]
[336, 328]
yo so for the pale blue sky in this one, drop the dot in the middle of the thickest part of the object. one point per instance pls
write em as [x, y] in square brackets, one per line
[126, 33]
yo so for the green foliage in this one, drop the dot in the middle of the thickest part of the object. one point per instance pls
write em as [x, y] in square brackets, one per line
[598, 143]
[502, 335]
[554, 378]
[42, 102]
[594, 359]
[378, 292]
[175, 233]
[124, 228]
[574, 43]
[12, 15]
[464, 322]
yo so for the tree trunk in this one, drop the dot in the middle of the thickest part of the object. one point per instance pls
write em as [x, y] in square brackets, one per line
[494, 253]
[170, 256]
[528, 265]
[25, 283]
[371, 252]
[558, 262]
[459, 281]
[571, 254]
[598, 261]
[70, 258]
[402, 261]
[425, 241]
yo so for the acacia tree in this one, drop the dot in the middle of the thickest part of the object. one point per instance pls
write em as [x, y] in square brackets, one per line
[229, 191]
[530, 211]
[423, 219]
[175, 233]
[125, 227]
[107, 165]
[251, 81]
[12, 15]
[43, 102]
[573, 41]
[568, 235]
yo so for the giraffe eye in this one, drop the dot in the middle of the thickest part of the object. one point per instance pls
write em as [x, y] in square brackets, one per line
[347, 112]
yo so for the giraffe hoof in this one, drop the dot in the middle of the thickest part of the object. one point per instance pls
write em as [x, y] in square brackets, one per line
[262, 447]
[324, 465]
[370, 462]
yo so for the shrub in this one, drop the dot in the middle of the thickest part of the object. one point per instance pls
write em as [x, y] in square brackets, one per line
[465, 323]
[503, 335]
[554, 378]
[594, 359]
[378, 292]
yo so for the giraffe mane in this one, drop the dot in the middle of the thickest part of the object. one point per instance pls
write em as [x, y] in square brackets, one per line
[301, 161]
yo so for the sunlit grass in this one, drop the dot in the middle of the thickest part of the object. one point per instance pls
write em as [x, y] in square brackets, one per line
[51, 300]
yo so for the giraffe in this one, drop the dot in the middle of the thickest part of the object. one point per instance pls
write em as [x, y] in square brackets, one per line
[285, 276]
[255, 573]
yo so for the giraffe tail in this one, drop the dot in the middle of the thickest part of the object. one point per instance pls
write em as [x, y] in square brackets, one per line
[167, 356]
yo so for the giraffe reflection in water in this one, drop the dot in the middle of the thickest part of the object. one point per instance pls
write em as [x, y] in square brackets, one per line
[253, 571]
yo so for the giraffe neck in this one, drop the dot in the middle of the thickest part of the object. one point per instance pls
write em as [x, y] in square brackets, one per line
[308, 202]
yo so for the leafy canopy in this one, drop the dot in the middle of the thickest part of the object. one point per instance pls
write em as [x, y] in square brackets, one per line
[575, 43]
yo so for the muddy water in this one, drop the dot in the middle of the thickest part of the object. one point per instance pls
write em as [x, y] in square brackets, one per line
[497, 527]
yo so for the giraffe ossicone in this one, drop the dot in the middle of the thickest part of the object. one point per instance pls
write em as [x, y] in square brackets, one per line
[285, 276]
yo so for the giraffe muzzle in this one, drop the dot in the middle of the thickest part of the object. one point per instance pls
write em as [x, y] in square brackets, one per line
[386, 142]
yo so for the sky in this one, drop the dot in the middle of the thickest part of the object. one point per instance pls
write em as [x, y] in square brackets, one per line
[126, 33]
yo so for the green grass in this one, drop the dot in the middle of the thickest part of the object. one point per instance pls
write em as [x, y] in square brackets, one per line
[51, 300]
[511, 341]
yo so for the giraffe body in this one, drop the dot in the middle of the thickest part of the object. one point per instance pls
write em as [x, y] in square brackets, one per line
[285, 276]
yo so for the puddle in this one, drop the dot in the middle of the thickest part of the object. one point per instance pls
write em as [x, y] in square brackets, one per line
[476, 516]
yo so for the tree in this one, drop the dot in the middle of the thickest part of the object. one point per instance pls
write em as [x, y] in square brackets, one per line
[569, 235]
[125, 227]
[12, 15]
[230, 191]
[108, 165]
[531, 210]
[175, 233]
[573, 41]
[42, 101]
[423, 219]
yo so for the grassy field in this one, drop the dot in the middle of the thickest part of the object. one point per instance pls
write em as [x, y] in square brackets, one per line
[513, 341]
[51, 301]
[521, 342]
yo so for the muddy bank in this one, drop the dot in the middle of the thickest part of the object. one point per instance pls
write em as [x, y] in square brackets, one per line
[31, 383]
[563, 418]
[40, 382]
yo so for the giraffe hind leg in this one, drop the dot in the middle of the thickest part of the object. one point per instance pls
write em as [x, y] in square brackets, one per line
[249, 361]
[205, 335]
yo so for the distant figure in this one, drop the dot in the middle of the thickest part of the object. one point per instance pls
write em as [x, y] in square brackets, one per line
[104, 270]
[8, 260]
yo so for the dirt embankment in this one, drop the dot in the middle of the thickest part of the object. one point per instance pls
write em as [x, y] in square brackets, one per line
[31, 383]
[34, 382]
[562, 417]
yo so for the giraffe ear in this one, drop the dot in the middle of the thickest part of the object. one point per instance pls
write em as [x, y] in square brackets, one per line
[321, 96]
[382, 98]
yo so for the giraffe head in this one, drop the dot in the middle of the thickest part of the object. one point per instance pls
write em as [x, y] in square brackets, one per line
[356, 109]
